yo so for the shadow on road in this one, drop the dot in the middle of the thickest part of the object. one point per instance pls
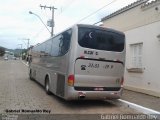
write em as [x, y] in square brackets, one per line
[80, 103]
[84, 103]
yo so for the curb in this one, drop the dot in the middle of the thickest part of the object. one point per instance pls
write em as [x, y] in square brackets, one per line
[138, 107]
[25, 63]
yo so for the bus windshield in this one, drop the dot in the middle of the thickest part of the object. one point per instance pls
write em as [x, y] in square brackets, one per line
[100, 39]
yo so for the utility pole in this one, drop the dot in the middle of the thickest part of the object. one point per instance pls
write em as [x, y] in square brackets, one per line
[51, 23]
[27, 41]
[21, 49]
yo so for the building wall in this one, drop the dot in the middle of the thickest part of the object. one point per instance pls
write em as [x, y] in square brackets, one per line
[141, 25]
[147, 81]
[133, 18]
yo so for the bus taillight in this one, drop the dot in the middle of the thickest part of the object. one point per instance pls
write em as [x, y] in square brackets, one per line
[122, 81]
[71, 80]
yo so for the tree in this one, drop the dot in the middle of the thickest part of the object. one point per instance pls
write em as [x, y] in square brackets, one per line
[2, 51]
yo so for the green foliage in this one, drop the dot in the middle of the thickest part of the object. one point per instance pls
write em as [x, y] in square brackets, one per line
[2, 51]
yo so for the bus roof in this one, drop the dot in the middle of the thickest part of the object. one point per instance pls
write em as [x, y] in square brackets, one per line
[100, 27]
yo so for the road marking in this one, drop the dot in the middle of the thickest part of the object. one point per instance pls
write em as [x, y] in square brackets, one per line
[25, 63]
[138, 107]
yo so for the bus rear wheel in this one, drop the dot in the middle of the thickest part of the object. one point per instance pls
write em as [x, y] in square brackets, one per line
[47, 86]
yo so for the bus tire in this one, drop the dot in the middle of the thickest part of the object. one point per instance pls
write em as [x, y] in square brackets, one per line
[47, 86]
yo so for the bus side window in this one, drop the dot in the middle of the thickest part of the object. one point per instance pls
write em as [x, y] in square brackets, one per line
[48, 47]
[55, 46]
[65, 42]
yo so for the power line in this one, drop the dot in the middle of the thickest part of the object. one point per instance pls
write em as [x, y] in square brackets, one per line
[27, 41]
[65, 8]
[47, 16]
[40, 20]
[97, 22]
[97, 11]
[38, 33]
[89, 14]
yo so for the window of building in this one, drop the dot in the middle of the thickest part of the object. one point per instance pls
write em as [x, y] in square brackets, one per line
[136, 55]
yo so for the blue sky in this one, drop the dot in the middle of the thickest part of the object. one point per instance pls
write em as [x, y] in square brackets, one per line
[17, 24]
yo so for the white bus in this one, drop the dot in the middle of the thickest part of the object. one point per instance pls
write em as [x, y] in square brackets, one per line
[82, 62]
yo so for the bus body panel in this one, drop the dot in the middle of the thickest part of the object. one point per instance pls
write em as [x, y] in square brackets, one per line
[100, 79]
[93, 95]
[97, 73]
[109, 75]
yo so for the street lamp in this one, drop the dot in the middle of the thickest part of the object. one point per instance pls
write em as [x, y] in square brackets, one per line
[30, 12]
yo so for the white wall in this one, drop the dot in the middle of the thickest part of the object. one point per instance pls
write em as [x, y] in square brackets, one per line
[133, 18]
[148, 81]
[141, 25]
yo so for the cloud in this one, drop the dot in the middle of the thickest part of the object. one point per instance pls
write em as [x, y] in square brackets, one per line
[16, 22]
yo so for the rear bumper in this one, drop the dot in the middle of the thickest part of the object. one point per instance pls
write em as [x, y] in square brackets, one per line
[73, 94]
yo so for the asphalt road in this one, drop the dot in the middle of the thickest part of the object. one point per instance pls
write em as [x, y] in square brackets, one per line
[19, 95]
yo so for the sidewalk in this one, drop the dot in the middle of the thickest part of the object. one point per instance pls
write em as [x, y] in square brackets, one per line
[142, 99]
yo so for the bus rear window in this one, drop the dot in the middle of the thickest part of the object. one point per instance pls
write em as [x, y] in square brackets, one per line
[100, 39]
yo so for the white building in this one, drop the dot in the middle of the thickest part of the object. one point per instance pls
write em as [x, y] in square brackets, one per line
[140, 22]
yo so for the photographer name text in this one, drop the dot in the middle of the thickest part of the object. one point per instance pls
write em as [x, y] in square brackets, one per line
[40, 111]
